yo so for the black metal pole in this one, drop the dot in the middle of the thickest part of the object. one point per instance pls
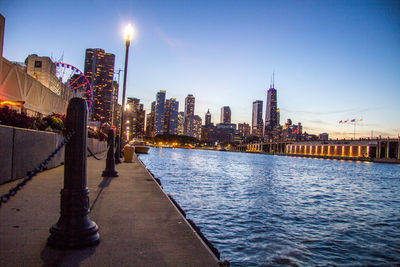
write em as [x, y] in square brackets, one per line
[117, 155]
[123, 96]
[74, 229]
[110, 170]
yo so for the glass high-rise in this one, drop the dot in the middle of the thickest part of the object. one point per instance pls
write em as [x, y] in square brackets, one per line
[257, 124]
[271, 110]
[135, 116]
[226, 115]
[171, 116]
[208, 118]
[160, 112]
[189, 115]
[99, 70]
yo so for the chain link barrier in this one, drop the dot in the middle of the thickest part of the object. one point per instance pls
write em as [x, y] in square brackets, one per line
[98, 158]
[30, 174]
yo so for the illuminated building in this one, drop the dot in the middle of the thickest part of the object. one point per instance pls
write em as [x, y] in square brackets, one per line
[150, 122]
[292, 132]
[99, 70]
[226, 115]
[140, 115]
[271, 114]
[160, 112]
[208, 118]
[171, 116]
[214, 135]
[196, 127]
[244, 129]
[257, 124]
[189, 115]
[181, 121]
[134, 116]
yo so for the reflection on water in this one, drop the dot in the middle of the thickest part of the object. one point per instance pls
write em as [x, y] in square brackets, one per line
[271, 210]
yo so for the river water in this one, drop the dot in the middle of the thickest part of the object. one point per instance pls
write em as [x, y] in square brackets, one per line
[261, 210]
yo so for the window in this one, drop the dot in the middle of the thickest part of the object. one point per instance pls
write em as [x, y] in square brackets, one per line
[38, 64]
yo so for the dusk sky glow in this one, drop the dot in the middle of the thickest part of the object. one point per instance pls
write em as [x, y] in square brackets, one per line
[333, 60]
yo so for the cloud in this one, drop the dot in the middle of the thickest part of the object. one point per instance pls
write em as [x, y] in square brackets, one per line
[170, 41]
[342, 111]
[321, 122]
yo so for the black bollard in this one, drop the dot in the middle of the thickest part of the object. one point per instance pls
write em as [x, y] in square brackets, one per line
[74, 229]
[110, 163]
[117, 151]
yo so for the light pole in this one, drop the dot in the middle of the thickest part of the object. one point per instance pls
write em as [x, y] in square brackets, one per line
[128, 37]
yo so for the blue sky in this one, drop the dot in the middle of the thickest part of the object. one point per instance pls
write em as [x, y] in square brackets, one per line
[333, 60]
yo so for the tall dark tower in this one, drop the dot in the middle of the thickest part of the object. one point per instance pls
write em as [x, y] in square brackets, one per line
[189, 116]
[208, 118]
[257, 124]
[226, 115]
[271, 114]
[171, 116]
[160, 112]
[99, 70]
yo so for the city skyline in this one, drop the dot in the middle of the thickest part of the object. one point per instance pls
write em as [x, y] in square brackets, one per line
[333, 61]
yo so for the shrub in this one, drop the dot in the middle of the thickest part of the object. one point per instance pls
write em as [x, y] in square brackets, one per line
[97, 134]
[11, 117]
[53, 123]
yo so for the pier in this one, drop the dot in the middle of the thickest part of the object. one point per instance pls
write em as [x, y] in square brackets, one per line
[138, 223]
[375, 150]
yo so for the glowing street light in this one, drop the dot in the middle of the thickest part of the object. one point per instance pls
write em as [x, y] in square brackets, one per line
[128, 37]
[129, 31]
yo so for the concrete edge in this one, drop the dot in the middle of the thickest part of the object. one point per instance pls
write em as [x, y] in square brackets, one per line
[183, 217]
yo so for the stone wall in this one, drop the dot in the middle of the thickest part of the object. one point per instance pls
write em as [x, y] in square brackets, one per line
[22, 150]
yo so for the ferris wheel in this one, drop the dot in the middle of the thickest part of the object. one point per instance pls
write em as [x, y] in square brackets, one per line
[75, 80]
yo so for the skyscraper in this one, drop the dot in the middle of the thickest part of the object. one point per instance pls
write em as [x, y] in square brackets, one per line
[226, 115]
[271, 114]
[181, 122]
[196, 127]
[189, 114]
[160, 112]
[208, 118]
[99, 70]
[257, 124]
[135, 115]
[150, 121]
[132, 105]
[244, 129]
[171, 116]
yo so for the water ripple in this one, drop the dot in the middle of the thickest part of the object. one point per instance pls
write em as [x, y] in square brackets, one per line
[262, 210]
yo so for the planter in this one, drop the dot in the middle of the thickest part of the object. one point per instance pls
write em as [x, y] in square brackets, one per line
[22, 150]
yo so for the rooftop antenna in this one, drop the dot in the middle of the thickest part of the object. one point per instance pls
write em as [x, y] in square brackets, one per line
[270, 82]
[273, 80]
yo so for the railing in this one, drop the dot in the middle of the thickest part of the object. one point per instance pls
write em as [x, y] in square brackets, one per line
[74, 228]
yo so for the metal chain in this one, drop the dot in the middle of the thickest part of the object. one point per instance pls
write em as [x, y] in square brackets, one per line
[30, 174]
[94, 156]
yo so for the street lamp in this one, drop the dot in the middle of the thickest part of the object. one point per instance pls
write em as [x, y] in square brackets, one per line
[128, 37]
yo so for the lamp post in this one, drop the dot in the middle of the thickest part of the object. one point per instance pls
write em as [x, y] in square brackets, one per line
[128, 37]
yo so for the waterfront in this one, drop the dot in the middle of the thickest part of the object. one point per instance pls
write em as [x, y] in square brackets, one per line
[271, 210]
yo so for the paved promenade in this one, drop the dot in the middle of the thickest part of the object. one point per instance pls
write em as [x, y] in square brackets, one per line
[139, 225]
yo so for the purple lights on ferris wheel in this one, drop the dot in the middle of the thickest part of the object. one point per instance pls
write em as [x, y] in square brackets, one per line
[74, 79]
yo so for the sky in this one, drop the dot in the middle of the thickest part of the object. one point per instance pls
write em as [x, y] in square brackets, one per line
[333, 60]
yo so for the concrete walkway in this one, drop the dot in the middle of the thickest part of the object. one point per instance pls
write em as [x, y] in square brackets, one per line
[139, 225]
